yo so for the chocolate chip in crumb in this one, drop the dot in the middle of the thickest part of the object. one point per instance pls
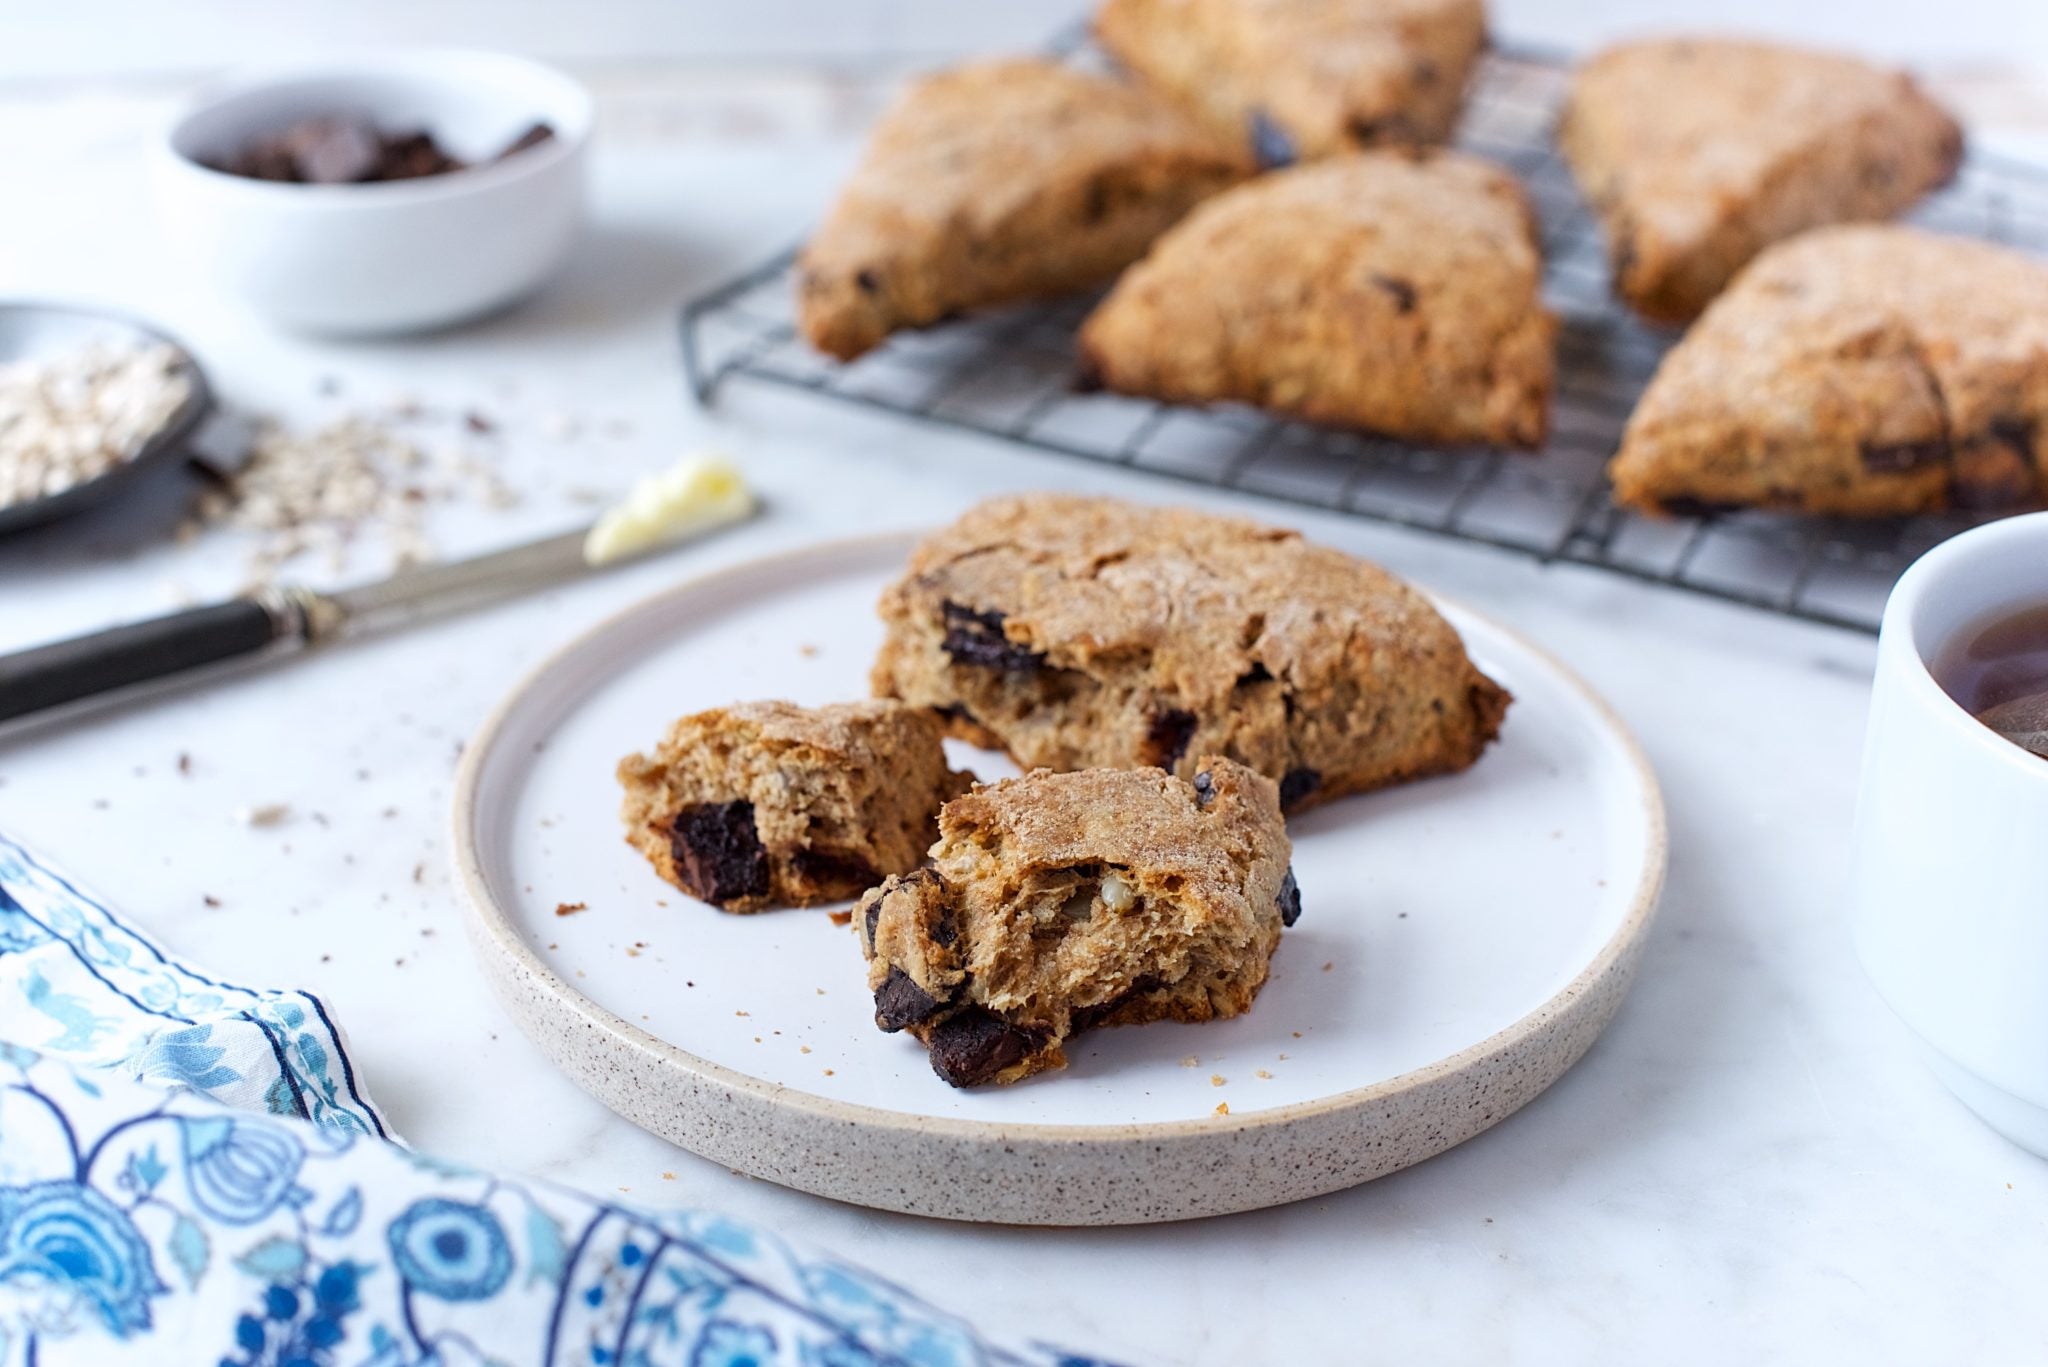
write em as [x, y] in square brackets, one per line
[874, 915]
[900, 1002]
[1897, 458]
[718, 853]
[977, 638]
[1257, 674]
[1270, 142]
[1289, 900]
[974, 1045]
[1402, 292]
[1297, 784]
[867, 282]
[1205, 789]
[1167, 737]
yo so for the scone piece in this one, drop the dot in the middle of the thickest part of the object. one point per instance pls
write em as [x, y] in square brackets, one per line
[1699, 153]
[1060, 902]
[1306, 78]
[1079, 633]
[1860, 370]
[1001, 181]
[1391, 291]
[769, 804]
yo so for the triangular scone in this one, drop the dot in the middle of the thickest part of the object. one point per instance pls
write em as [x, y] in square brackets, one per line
[1001, 181]
[1082, 633]
[1392, 291]
[1859, 370]
[1698, 154]
[1306, 78]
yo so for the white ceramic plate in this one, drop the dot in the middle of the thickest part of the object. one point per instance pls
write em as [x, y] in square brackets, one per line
[1462, 942]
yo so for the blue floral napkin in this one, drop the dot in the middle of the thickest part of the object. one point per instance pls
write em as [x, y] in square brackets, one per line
[191, 1172]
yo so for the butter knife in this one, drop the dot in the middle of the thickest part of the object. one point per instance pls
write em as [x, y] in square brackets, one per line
[69, 678]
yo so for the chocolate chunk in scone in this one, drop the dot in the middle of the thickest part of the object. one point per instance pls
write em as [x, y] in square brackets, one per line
[1117, 635]
[997, 182]
[1305, 78]
[1699, 153]
[1861, 370]
[1389, 291]
[769, 804]
[1057, 903]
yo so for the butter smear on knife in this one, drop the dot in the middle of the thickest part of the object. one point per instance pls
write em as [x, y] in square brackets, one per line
[695, 494]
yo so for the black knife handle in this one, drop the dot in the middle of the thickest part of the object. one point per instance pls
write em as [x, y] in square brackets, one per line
[120, 658]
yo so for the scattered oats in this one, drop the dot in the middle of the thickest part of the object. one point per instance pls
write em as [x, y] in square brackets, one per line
[1222, 1108]
[668, 1177]
[72, 417]
[570, 908]
[1217, 1079]
[742, 1013]
[820, 991]
[1191, 1061]
[828, 1072]
[1263, 1073]
[268, 814]
[805, 1049]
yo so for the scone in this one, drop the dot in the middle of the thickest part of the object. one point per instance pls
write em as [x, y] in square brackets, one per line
[995, 182]
[1697, 154]
[1080, 633]
[769, 804]
[1056, 903]
[1390, 291]
[1859, 370]
[1306, 78]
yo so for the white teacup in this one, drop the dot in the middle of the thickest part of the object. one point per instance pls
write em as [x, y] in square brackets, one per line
[1950, 874]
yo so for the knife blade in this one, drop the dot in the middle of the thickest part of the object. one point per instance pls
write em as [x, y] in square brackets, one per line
[66, 679]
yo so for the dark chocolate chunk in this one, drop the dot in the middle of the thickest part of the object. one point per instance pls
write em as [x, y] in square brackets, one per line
[1270, 142]
[974, 1045]
[718, 852]
[976, 638]
[1289, 900]
[1205, 789]
[899, 1001]
[533, 137]
[1166, 739]
[1297, 784]
[1895, 458]
[834, 868]
[1257, 674]
[874, 915]
[1402, 292]
[2018, 433]
[1088, 1017]
[409, 156]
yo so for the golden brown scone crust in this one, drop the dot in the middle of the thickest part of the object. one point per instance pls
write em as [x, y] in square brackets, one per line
[1391, 291]
[1057, 903]
[1087, 632]
[769, 804]
[1699, 153]
[1859, 370]
[996, 182]
[1329, 76]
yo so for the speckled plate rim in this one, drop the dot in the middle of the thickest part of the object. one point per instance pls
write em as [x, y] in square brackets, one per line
[994, 1172]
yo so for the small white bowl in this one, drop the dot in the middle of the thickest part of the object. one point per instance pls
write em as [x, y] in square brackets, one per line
[388, 256]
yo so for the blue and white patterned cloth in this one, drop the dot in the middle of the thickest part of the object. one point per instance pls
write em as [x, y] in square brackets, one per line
[190, 1172]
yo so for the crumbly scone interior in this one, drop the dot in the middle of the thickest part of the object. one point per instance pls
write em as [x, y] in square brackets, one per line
[1001, 950]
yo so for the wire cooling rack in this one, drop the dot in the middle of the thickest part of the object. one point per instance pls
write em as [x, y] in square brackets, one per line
[1009, 374]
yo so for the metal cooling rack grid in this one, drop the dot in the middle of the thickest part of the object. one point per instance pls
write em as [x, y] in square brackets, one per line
[1008, 375]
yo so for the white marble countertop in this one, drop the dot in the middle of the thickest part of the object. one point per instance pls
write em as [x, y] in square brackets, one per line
[1752, 1160]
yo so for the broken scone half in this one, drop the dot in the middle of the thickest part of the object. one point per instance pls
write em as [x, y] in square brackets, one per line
[1395, 292]
[1305, 78]
[1861, 371]
[769, 804]
[997, 182]
[1056, 903]
[1699, 153]
[1081, 633]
